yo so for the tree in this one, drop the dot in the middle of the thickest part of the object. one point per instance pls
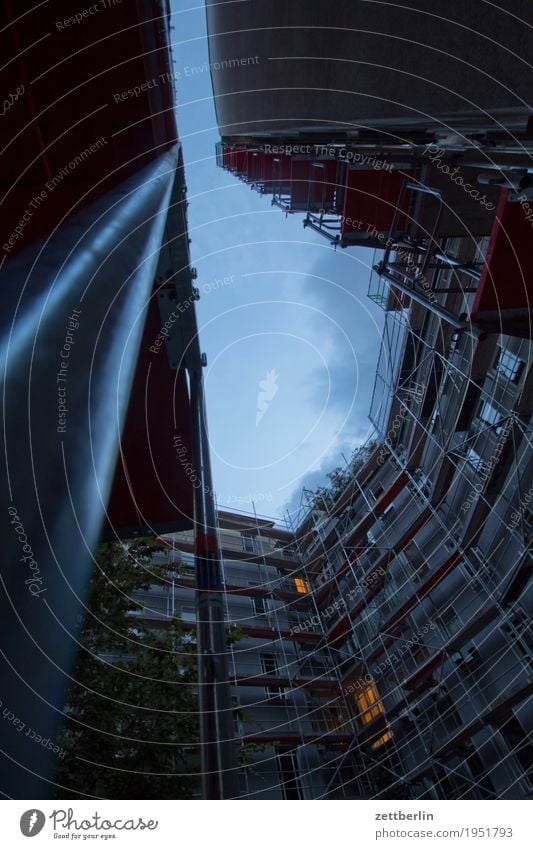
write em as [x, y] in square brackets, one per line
[325, 496]
[132, 713]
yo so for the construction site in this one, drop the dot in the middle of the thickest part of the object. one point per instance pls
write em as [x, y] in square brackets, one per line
[384, 626]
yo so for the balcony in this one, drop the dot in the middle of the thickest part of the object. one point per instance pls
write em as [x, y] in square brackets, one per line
[492, 715]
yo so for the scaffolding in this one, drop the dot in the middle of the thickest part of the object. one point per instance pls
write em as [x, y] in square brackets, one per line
[417, 553]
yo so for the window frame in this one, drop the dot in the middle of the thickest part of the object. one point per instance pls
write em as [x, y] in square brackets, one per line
[248, 539]
[509, 371]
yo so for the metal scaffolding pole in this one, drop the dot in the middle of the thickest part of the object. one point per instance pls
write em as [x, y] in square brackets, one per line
[219, 763]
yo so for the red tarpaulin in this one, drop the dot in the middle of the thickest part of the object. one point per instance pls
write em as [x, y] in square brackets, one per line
[507, 277]
[151, 489]
[371, 200]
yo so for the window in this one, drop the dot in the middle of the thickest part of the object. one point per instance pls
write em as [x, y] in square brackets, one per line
[237, 716]
[509, 365]
[420, 571]
[352, 646]
[269, 664]
[188, 614]
[376, 492]
[489, 415]
[259, 606]
[479, 773]
[288, 774]
[467, 659]
[248, 543]
[518, 633]
[302, 586]
[434, 421]
[377, 744]
[276, 693]
[449, 622]
[520, 578]
[448, 713]
[369, 704]
[183, 561]
[420, 655]
[516, 740]
[475, 460]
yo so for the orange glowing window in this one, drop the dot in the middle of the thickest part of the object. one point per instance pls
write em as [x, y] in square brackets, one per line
[369, 704]
[302, 586]
[382, 740]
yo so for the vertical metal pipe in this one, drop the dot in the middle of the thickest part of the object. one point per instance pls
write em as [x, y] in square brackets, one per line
[219, 764]
[58, 471]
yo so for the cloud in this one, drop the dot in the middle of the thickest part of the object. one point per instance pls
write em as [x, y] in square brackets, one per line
[350, 326]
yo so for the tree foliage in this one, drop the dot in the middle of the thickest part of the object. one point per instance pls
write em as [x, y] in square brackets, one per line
[131, 728]
[339, 478]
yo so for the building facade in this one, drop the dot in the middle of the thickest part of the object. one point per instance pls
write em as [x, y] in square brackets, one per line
[385, 646]
[418, 556]
[288, 724]
[433, 531]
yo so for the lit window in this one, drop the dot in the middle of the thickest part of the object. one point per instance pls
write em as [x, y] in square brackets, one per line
[509, 366]
[369, 704]
[302, 586]
[382, 740]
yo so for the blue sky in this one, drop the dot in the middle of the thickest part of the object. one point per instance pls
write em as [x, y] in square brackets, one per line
[284, 319]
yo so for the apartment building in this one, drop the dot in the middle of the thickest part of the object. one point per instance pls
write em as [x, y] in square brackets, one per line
[434, 530]
[283, 683]
[418, 556]
[385, 643]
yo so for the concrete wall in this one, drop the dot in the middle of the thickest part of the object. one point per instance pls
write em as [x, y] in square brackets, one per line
[279, 66]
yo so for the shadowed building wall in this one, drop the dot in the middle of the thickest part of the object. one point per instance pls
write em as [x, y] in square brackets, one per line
[305, 66]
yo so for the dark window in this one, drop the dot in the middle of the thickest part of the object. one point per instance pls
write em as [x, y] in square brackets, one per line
[449, 622]
[259, 606]
[517, 584]
[479, 773]
[469, 405]
[270, 664]
[448, 713]
[288, 775]
[248, 543]
[516, 739]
